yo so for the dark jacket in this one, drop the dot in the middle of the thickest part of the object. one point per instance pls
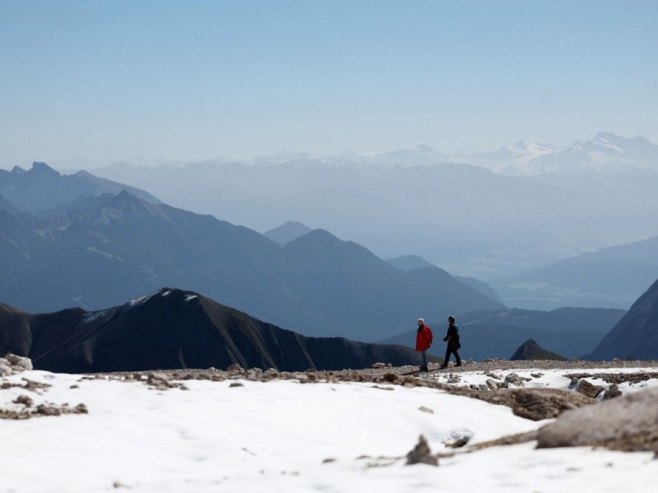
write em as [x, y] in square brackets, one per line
[453, 337]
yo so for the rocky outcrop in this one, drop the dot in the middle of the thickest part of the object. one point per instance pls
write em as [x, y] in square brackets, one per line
[11, 364]
[173, 329]
[629, 423]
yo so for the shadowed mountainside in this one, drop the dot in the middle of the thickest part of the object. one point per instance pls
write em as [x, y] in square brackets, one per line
[176, 329]
[636, 334]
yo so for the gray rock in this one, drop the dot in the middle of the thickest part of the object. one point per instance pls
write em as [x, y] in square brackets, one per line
[492, 384]
[628, 423]
[587, 388]
[612, 392]
[514, 379]
[379, 365]
[5, 370]
[421, 454]
[19, 362]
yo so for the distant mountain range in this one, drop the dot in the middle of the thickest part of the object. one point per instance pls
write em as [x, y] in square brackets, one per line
[612, 277]
[636, 334]
[176, 329]
[606, 152]
[41, 187]
[462, 217]
[530, 350]
[571, 332]
[98, 251]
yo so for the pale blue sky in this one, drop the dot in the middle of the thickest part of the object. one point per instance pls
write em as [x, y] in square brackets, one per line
[196, 79]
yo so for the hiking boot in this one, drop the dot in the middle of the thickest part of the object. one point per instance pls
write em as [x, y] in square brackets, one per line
[423, 368]
[459, 364]
[442, 367]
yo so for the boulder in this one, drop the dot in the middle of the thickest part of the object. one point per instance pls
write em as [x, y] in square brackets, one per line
[587, 388]
[612, 392]
[421, 454]
[20, 363]
[627, 423]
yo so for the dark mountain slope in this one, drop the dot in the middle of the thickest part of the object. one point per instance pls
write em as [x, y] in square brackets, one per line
[42, 187]
[176, 329]
[572, 332]
[636, 334]
[344, 280]
[530, 350]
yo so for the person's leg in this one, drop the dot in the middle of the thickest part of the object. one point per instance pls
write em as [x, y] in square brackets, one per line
[423, 356]
[446, 359]
[459, 360]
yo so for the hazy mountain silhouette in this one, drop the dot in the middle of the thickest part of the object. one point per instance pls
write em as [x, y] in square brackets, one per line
[115, 247]
[530, 350]
[571, 332]
[611, 277]
[459, 216]
[41, 187]
[407, 263]
[287, 232]
[176, 329]
[636, 334]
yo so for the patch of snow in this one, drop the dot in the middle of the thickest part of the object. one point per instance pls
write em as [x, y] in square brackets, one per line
[190, 297]
[276, 437]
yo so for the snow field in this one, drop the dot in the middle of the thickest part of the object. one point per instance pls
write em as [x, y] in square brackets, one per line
[275, 436]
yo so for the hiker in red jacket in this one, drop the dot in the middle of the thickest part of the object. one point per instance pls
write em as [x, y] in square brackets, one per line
[423, 342]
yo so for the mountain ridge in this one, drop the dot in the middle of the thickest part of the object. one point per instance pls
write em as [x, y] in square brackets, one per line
[171, 329]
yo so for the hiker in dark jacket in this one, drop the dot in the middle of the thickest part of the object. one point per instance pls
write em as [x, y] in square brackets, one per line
[452, 338]
[423, 342]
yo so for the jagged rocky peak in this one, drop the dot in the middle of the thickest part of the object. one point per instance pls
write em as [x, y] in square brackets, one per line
[43, 169]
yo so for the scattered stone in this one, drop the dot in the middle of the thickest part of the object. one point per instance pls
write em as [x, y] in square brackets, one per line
[378, 365]
[458, 439]
[421, 454]
[454, 378]
[235, 368]
[483, 387]
[612, 392]
[536, 375]
[426, 410]
[492, 384]
[514, 379]
[617, 378]
[235, 384]
[24, 399]
[328, 460]
[390, 377]
[587, 388]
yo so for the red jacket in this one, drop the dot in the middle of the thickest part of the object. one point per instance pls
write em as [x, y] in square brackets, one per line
[423, 338]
